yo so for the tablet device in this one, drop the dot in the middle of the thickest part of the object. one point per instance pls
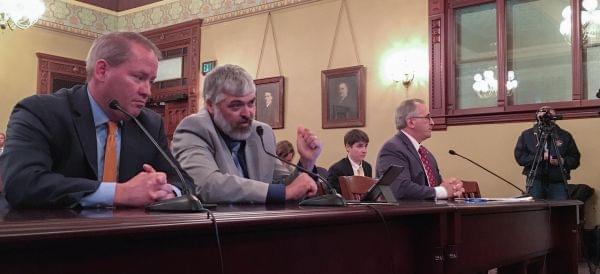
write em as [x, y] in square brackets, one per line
[390, 174]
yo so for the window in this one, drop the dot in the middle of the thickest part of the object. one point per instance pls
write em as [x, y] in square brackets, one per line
[498, 61]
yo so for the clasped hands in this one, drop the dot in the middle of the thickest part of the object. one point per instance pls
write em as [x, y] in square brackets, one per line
[146, 187]
[454, 187]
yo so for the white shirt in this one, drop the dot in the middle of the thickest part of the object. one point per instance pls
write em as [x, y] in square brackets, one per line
[355, 166]
[440, 191]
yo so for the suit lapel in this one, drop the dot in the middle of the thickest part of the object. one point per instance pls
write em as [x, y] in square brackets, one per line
[84, 126]
[129, 133]
[348, 166]
[409, 146]
[366, 168]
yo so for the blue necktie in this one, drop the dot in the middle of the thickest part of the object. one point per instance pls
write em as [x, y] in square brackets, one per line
[234, 153]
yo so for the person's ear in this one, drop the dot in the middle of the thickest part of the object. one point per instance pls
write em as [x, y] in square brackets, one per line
[348, 148]
[410, 123]
[209, 106]
[101, 69]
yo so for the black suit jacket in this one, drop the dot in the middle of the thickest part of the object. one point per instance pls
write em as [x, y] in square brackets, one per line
[412, 182]
[50, 156]
[344, 168]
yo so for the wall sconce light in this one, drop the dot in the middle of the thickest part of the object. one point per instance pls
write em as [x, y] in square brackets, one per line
[402, 72]
[405, 76]
[407, 66]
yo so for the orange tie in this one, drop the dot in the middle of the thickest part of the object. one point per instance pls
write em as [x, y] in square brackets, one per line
[110, 154]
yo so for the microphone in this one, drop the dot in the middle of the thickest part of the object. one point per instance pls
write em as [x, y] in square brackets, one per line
[452, 152]
[185, 203]
[331, 199]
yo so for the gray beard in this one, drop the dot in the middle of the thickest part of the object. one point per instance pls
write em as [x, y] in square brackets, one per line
[236, 134]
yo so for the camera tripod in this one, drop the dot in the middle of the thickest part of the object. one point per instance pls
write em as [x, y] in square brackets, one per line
[546, 141]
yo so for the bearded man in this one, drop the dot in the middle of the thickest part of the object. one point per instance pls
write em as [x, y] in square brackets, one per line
[221, 150]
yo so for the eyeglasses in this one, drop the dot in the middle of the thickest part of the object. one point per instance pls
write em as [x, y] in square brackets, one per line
[428, 116]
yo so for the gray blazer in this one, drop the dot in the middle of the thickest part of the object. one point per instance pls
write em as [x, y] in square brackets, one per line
[203, 153]
[412, 182]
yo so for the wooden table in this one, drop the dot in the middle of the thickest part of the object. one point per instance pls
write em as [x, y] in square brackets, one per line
[413, 237]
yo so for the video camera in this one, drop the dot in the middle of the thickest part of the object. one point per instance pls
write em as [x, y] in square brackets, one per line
[545, 119]
[546, 116]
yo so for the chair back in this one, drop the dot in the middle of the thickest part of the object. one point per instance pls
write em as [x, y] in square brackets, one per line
[471, 189]
[354, 187]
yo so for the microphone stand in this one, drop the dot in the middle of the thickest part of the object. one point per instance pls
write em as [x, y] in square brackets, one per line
[187, 202]
[523, 193]
[330, 199]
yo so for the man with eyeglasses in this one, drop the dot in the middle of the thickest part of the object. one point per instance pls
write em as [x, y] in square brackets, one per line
[420, 178]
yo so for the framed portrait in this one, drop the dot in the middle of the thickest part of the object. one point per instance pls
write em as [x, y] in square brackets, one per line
[343, 97]
[269, 101]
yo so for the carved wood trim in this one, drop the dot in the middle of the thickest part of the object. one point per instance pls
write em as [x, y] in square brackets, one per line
[181, 99]
[51, 67]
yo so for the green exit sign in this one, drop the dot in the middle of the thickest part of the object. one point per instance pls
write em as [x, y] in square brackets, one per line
[208, 66]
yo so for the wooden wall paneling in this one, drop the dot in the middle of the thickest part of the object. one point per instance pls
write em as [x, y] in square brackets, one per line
[51, 67]
[179, 98]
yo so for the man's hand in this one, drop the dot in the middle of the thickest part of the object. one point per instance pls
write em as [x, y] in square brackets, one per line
[301, 187]
[309, 147]
[147, 187]
[454, 187]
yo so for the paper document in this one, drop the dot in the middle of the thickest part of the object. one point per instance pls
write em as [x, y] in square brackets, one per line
[484, 200]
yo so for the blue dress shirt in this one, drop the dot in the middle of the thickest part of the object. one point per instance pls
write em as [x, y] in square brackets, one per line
[104, 195]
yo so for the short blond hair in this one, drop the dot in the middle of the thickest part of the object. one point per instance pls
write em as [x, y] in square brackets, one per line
[115, 48]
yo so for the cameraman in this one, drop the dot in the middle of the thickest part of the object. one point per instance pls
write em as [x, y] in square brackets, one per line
[548, 182]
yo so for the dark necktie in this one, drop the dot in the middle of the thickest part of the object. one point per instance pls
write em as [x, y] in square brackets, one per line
[427, 165]
[235, 148]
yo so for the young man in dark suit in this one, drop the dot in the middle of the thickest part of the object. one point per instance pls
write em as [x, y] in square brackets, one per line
[354, 163]
[70, 149]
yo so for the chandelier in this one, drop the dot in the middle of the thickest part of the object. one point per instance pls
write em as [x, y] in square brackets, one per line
[590, 22]
[20, 13]
[486, 86]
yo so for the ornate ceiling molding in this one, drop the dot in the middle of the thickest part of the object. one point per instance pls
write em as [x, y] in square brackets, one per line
[87, 21]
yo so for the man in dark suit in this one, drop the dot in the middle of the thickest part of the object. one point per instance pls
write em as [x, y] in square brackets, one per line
[420, 178]
[70, 149]
[354, 163]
